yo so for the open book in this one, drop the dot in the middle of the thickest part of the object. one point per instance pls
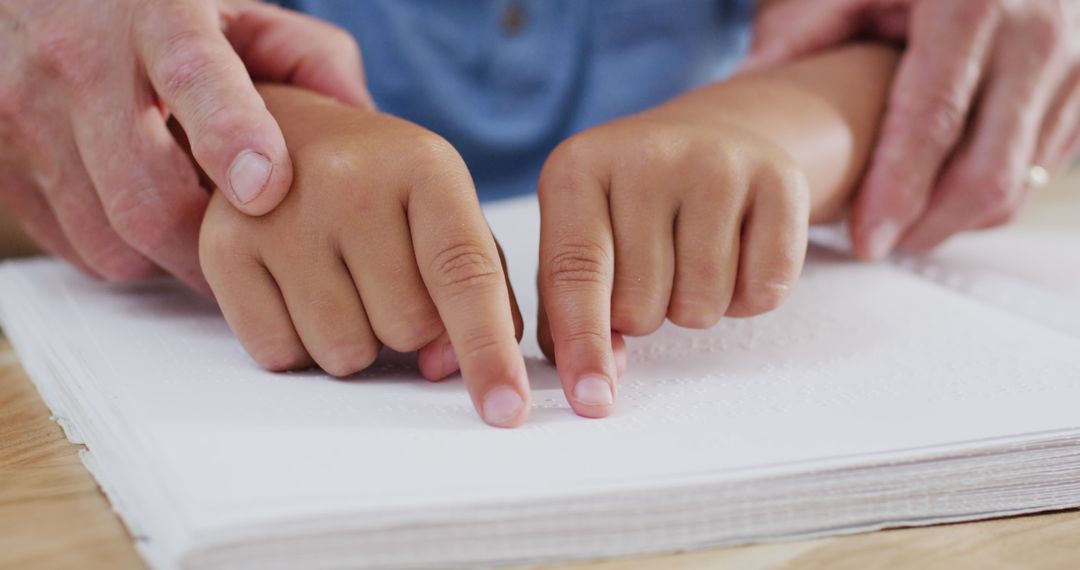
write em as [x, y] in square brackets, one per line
[925, 390]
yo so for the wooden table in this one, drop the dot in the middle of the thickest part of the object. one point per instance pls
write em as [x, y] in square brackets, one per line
[52, 514]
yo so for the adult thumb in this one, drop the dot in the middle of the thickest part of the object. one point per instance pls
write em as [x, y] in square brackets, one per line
[201, 81]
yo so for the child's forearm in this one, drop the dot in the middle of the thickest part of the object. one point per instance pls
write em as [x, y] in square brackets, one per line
[823, 110]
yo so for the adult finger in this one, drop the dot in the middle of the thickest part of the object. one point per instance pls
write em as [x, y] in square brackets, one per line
[927, 113]
[577, 264]
[203, 82]
[1061, 127]
[77, 207]
[283, 46]
[145, 182]
[35, 217]
[59, 176]
[460, 266]
[984, 181]
[786, 30]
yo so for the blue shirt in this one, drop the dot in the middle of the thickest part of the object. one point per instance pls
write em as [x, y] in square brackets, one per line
[505, 81]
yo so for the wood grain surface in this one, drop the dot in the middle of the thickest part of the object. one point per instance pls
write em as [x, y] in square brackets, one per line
[52, 514]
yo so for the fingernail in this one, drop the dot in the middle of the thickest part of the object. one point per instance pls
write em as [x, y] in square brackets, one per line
[593, 391]
[502, 405]
[882, 239]
[248, 176]
[450, 361]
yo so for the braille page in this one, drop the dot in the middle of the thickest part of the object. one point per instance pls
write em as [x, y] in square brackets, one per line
[864, 361]
[1034, 273]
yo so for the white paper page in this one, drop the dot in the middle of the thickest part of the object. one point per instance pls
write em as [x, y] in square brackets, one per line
[1046, 257]
[1033, 273]
[863, 359]
[1030, 272]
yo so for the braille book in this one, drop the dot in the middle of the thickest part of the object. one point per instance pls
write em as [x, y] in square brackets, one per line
[911, 392]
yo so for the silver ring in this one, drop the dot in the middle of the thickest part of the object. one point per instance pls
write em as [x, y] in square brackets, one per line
[1037, 177]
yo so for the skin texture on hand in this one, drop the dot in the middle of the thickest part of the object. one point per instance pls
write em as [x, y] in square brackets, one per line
[380, 242]
[696, 209]
[89, 165]
[985, 90]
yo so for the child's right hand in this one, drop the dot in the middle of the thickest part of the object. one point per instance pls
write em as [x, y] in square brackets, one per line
[381, 241]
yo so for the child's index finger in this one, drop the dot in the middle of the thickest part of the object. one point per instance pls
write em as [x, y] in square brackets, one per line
[460, 266]
[577, 265]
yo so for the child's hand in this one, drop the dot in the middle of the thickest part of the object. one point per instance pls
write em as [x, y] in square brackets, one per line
[656, 216]
[381, 241]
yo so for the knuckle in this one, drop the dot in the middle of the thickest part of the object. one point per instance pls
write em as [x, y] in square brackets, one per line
[939, 115]
[215, 125]
[763, 297]
[790, 176]
[185, 61]
[568, 164]
[722, 168]
[343, 41]
[278, 354]
[585, 336]
[943, 119]
[578, 149]
[704, 144]
[221, 244]
[635, 320]
[431, 154]
[68, 57]
[465, 265]
[409, 334]
[994, 193]
[694, 312]
[348, 357]
[770, 295]
[578, 263]
[479, 345]
[433, 161]
[638, 306]
[655, 150]
[784, 176]
[694, 303]
[1047, 34]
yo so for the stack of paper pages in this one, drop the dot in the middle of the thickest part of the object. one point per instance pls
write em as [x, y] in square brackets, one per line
[879, 395]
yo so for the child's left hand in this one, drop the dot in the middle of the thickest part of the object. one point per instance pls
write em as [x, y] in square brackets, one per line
[657, 216]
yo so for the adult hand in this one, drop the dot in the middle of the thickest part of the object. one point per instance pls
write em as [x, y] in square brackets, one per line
[87, 162]
[987, 90]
